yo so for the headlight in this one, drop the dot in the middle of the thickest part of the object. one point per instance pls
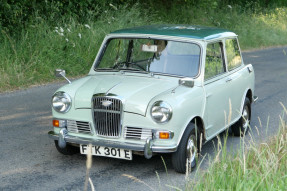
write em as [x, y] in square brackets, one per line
[161, 112]
[61, 102]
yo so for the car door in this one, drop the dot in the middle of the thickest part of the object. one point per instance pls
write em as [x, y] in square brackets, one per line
[236, 76]
[216, 88]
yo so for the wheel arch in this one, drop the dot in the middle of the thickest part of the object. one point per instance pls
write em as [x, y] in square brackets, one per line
[249, 95]
[199, 126]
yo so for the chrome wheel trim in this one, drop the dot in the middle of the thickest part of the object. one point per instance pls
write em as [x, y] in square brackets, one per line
[245, 115]
[191, 151]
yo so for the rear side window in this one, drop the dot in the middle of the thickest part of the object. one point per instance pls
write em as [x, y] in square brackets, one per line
[233, 54]
[214, 63]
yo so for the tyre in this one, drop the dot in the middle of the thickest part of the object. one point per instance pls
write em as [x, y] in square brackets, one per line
[185, 156]
[242, 126]
[68, 150]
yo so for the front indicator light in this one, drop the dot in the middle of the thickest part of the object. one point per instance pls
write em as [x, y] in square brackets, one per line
[56, 123]
[163, 135]
[59, 123]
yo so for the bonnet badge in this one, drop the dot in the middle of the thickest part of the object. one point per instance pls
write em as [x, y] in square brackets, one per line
[106, 103]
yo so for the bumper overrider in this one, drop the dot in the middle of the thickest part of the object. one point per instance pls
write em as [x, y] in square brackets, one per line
[148, 147]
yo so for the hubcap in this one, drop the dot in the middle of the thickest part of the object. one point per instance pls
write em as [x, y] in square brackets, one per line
[191, 151]
[245, 115]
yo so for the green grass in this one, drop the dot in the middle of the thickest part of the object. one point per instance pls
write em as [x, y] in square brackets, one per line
[31, 57]
[254, 167]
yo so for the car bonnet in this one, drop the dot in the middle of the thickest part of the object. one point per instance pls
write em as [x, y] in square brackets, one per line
[135, 92]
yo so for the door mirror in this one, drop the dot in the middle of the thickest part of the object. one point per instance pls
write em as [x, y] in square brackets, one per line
[61, 73]
[187, 82]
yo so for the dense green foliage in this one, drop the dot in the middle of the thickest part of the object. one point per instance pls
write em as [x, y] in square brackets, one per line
[16, 14]
[38, 36]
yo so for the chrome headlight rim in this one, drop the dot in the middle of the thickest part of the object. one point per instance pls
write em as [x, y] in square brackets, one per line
[67, 103]
[161, 106]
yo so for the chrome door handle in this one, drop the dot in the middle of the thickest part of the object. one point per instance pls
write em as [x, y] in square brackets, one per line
[228, 79]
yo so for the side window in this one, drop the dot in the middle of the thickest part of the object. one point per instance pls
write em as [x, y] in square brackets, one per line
[233, 54]
[214, 64]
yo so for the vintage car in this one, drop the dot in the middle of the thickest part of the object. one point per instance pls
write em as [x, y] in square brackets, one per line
[156, 89]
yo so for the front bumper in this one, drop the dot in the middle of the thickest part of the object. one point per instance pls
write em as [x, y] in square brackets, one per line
[148, 147]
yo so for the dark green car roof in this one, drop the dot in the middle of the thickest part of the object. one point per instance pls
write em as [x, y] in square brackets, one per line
[189, 31]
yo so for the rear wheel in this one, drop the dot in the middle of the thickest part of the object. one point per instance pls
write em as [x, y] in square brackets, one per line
[68, 150]
[185, 157]
[242, 126]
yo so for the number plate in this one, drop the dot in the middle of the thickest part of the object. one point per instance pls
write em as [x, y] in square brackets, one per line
[108, 152]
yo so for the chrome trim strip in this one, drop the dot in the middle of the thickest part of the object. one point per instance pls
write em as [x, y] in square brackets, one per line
[105, 110]
[116, 144]
[255, 99]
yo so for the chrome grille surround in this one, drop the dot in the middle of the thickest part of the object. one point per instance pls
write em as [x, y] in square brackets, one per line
[137, 133]
[78, 126]
[107, 115]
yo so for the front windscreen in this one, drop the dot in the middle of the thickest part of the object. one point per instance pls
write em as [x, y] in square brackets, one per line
[150, 55]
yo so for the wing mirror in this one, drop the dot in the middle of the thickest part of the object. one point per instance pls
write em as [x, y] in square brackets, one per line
[61, 73]
[187, 82]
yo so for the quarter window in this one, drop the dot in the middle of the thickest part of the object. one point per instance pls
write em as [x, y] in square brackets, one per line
[214, 64]
[233, 54]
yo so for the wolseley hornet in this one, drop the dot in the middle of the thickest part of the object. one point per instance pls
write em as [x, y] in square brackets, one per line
[156, 89]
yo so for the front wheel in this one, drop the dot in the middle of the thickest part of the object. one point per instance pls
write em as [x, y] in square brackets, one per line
[185, 157]
[242, 126]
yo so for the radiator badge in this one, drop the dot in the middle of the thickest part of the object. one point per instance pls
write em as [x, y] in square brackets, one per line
[106, 103]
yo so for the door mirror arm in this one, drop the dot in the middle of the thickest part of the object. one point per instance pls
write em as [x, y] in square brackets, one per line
[61, 73]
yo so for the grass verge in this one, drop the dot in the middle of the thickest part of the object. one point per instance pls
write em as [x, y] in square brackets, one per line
[31, 57]
[254, 167]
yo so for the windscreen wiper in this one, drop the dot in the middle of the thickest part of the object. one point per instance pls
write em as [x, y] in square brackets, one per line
[107, 69]
[133, 69]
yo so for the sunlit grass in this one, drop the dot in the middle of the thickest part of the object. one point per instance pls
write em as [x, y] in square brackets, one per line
[253, 167]
[69, 45]
[32, 57]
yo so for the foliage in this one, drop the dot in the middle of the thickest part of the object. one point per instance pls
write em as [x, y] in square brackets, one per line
[37, 37]
[16, 14]
[43, 47]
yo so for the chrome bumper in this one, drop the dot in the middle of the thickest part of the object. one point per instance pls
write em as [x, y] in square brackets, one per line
[148, 148]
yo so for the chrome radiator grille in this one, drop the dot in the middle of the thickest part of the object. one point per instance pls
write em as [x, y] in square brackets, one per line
[137, 133]
[107, 116]
[78, 126]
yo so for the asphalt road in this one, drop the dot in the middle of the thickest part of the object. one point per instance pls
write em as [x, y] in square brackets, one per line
[29, 160]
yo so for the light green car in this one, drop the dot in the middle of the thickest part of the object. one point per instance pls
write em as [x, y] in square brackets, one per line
[156, 89]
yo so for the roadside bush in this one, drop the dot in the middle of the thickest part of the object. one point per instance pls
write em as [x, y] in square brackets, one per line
[37, 37]
[42, 47]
